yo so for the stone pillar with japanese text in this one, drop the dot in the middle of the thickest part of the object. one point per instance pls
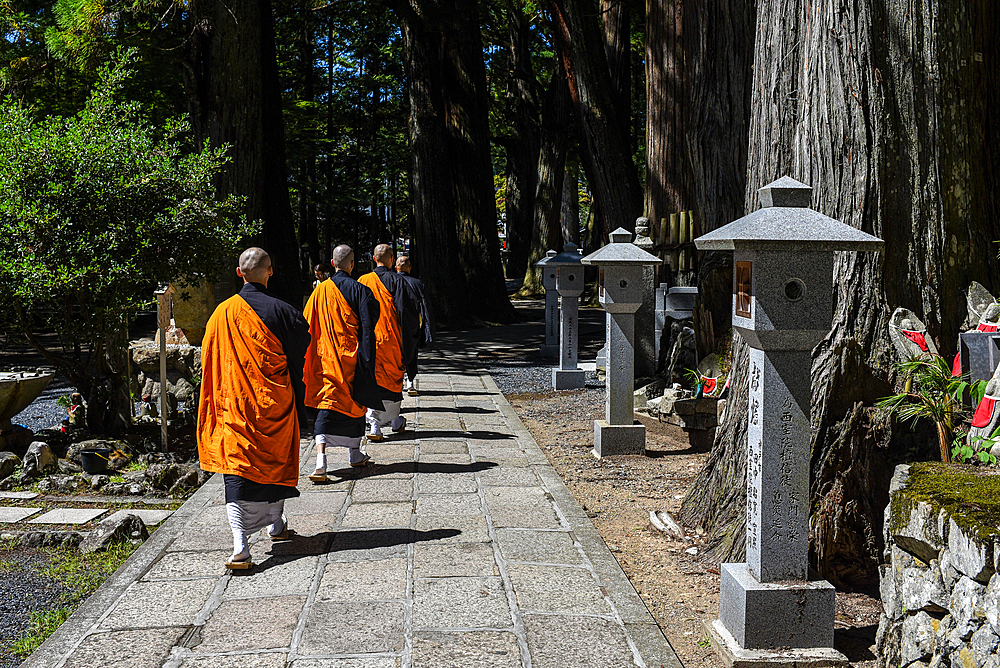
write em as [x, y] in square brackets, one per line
[783, 260]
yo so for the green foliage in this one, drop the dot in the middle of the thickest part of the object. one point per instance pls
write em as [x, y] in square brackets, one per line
[932, 393]
[63, 400]
[81, 574]
[978, 451]
[95, 209]
[41, 625]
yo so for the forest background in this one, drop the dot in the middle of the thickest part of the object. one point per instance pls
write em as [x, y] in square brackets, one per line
[360, 121]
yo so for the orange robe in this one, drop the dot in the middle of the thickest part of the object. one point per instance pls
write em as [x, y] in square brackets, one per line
[247, 422]
[332, 356]
[389, 367]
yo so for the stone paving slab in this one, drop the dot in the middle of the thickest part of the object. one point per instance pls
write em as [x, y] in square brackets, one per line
[458, 546]
[69, 516]
[11, 514]
[26, 496]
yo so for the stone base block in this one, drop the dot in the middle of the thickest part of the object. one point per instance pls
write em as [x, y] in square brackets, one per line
[619, 439]
[549, 351]
[734, 656]
[771, 615]
[568, 379]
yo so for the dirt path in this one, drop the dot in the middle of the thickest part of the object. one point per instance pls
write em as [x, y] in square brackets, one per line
[618, 493]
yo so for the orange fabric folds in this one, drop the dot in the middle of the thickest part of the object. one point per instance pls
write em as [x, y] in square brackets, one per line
[389, 367]
[332, 355]
[247, 423]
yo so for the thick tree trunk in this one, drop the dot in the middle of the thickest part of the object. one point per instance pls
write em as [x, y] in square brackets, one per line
[521, 144]
[553, 143]
[239, 104]
[569, 218]
[455, 234]
[668, 177]
[698, 76]
[884, 108]
[616, 19]
[605, 143]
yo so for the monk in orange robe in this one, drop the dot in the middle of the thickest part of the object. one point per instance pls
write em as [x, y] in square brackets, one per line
[251, 387]
[390, 290]
[340, 361]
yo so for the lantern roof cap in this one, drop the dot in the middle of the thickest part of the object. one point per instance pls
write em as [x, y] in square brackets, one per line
[621, 251]
[784, 222]
[549, 254]
[572, 254]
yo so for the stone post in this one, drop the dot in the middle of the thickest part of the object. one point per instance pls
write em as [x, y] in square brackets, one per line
[621, 265]
[645, 320]
[782, 307]
[569, 284]
[163, 296]
[551, 346]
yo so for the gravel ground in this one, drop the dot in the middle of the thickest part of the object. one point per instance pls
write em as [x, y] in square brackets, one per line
[44, 411]
[22, 592]
[521, 376]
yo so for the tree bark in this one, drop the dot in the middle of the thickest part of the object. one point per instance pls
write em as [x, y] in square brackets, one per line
[521, 144]
[239, 103]
[605, 144]
[698, 75]
[883, 107]
[554, 139]
[455, 234]
[569, 218]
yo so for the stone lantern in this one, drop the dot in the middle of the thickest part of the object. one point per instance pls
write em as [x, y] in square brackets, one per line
[569, 285]
[621, 264]
[782, 307]
[551, 346]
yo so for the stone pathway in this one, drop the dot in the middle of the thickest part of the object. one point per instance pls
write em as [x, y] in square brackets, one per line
[459, 547]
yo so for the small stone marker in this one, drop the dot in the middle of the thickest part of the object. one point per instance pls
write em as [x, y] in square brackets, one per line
[569, 284]
[621, 265]
[69, 516]
[782, 307]
[25, 496]
[551, 346]
[149, 517]
[11, 514]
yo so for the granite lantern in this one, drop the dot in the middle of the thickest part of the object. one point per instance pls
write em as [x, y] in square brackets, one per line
[551, 346]
[782, 307]
[621, 264]
[569, 285]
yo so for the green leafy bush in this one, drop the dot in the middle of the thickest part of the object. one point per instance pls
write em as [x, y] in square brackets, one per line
[95, 210]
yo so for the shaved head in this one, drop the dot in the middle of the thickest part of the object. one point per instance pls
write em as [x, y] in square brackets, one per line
[255, 265]
[343, 258]
[403, 263]
[383, 255]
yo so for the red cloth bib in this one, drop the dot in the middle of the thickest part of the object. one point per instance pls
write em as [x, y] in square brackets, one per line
[984, 413]
[917, 338]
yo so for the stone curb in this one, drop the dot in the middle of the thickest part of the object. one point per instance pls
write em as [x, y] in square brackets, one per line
[71, 633]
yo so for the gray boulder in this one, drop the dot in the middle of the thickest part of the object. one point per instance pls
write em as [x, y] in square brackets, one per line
[917, 638]
[970, 555]
[96, 480]
[35, 539]
[165, 476]
[63, 484]
[8, 462]
[182, 390]
[39, 460]
[66, 466]
[111, 531]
